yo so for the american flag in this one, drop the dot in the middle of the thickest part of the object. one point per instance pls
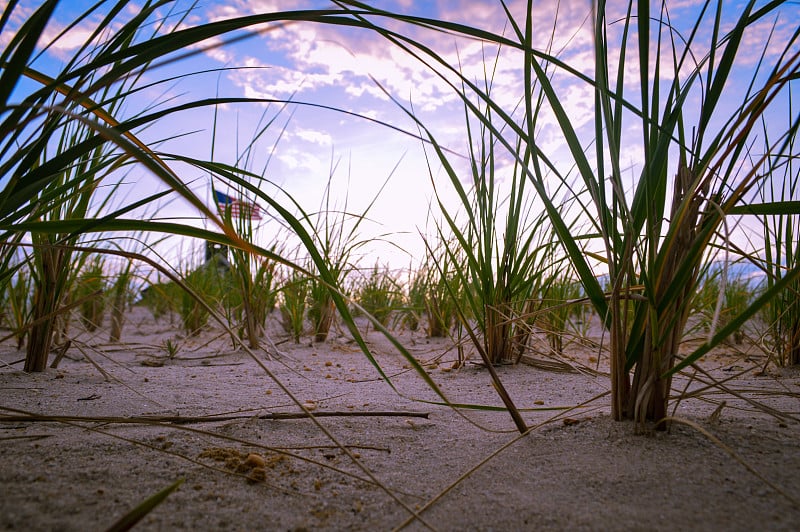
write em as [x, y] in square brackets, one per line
[239, 208]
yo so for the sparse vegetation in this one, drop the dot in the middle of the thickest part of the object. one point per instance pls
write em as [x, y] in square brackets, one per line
[120, 292]
[90, 292]
[619, 201]
[379, 293]
[293, 304]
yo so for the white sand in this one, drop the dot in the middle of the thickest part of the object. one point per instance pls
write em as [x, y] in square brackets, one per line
[589, 473]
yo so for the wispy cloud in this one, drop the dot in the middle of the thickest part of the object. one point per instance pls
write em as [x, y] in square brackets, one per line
[321, 138]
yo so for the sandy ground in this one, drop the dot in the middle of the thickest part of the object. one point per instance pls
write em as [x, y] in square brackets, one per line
[577, 469]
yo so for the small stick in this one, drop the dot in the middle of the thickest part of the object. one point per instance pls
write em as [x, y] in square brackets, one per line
[180, 420]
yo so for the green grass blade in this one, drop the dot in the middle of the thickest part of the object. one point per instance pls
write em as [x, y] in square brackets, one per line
[129, 520]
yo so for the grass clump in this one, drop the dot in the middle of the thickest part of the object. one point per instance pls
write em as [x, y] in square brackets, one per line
[18, 305]
[441, 292]
[90, 292]
[781, 258]
[559, 306]
[293, 303]
[209, 284]
[336, 233]
[724, 292]
[379, 293]
[120, 294]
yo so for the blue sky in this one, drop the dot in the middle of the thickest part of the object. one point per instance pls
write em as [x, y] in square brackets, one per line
[342, 68]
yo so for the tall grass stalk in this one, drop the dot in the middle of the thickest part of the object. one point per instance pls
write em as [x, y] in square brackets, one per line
[693, 126]
[120, 299]
[501, 265]
[646, 245]
[253, 277]
[90, 288]
[70, 195]
[337, 235]
[436, 290]
[379, 293]
[293, 304]
[19, 299]
[782, 249]
[259, 295]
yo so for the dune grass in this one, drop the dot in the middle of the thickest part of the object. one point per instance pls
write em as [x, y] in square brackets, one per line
[120, 299]
[702, 163]
[651, 234]
[91, 290]
[781, 230]
[378, 293]
[293, 304]
[655, 235]
[434, 290]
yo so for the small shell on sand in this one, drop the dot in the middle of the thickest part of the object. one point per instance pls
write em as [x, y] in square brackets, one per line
[254, 460]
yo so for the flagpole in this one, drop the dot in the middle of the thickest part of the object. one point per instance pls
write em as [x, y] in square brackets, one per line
[207, 204]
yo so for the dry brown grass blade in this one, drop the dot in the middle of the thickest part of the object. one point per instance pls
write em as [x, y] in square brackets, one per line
[719, 384]
[181, 420]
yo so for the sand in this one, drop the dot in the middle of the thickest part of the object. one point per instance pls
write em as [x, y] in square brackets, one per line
[734, 469]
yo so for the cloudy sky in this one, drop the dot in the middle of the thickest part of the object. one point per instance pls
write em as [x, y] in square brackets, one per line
[353, 70]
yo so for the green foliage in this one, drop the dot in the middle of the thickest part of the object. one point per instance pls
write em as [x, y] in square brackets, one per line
[253, 293]
[336, 235]
[783, 325]
[782, 248]
[90, 292]
[497, 256]
[19, 298]
[171, 348]
[721, 296]
[379, 293]
[738, 296]
[413, 301]
[209, 285]
[292, 304]
[49, 279]
[263, 293]
[321, 310]
[558, 306]
[704, 300]
[435, 292]
[52, 177]
[120, 299]
[162, 299]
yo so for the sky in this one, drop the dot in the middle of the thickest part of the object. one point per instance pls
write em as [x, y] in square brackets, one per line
[356, 71]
